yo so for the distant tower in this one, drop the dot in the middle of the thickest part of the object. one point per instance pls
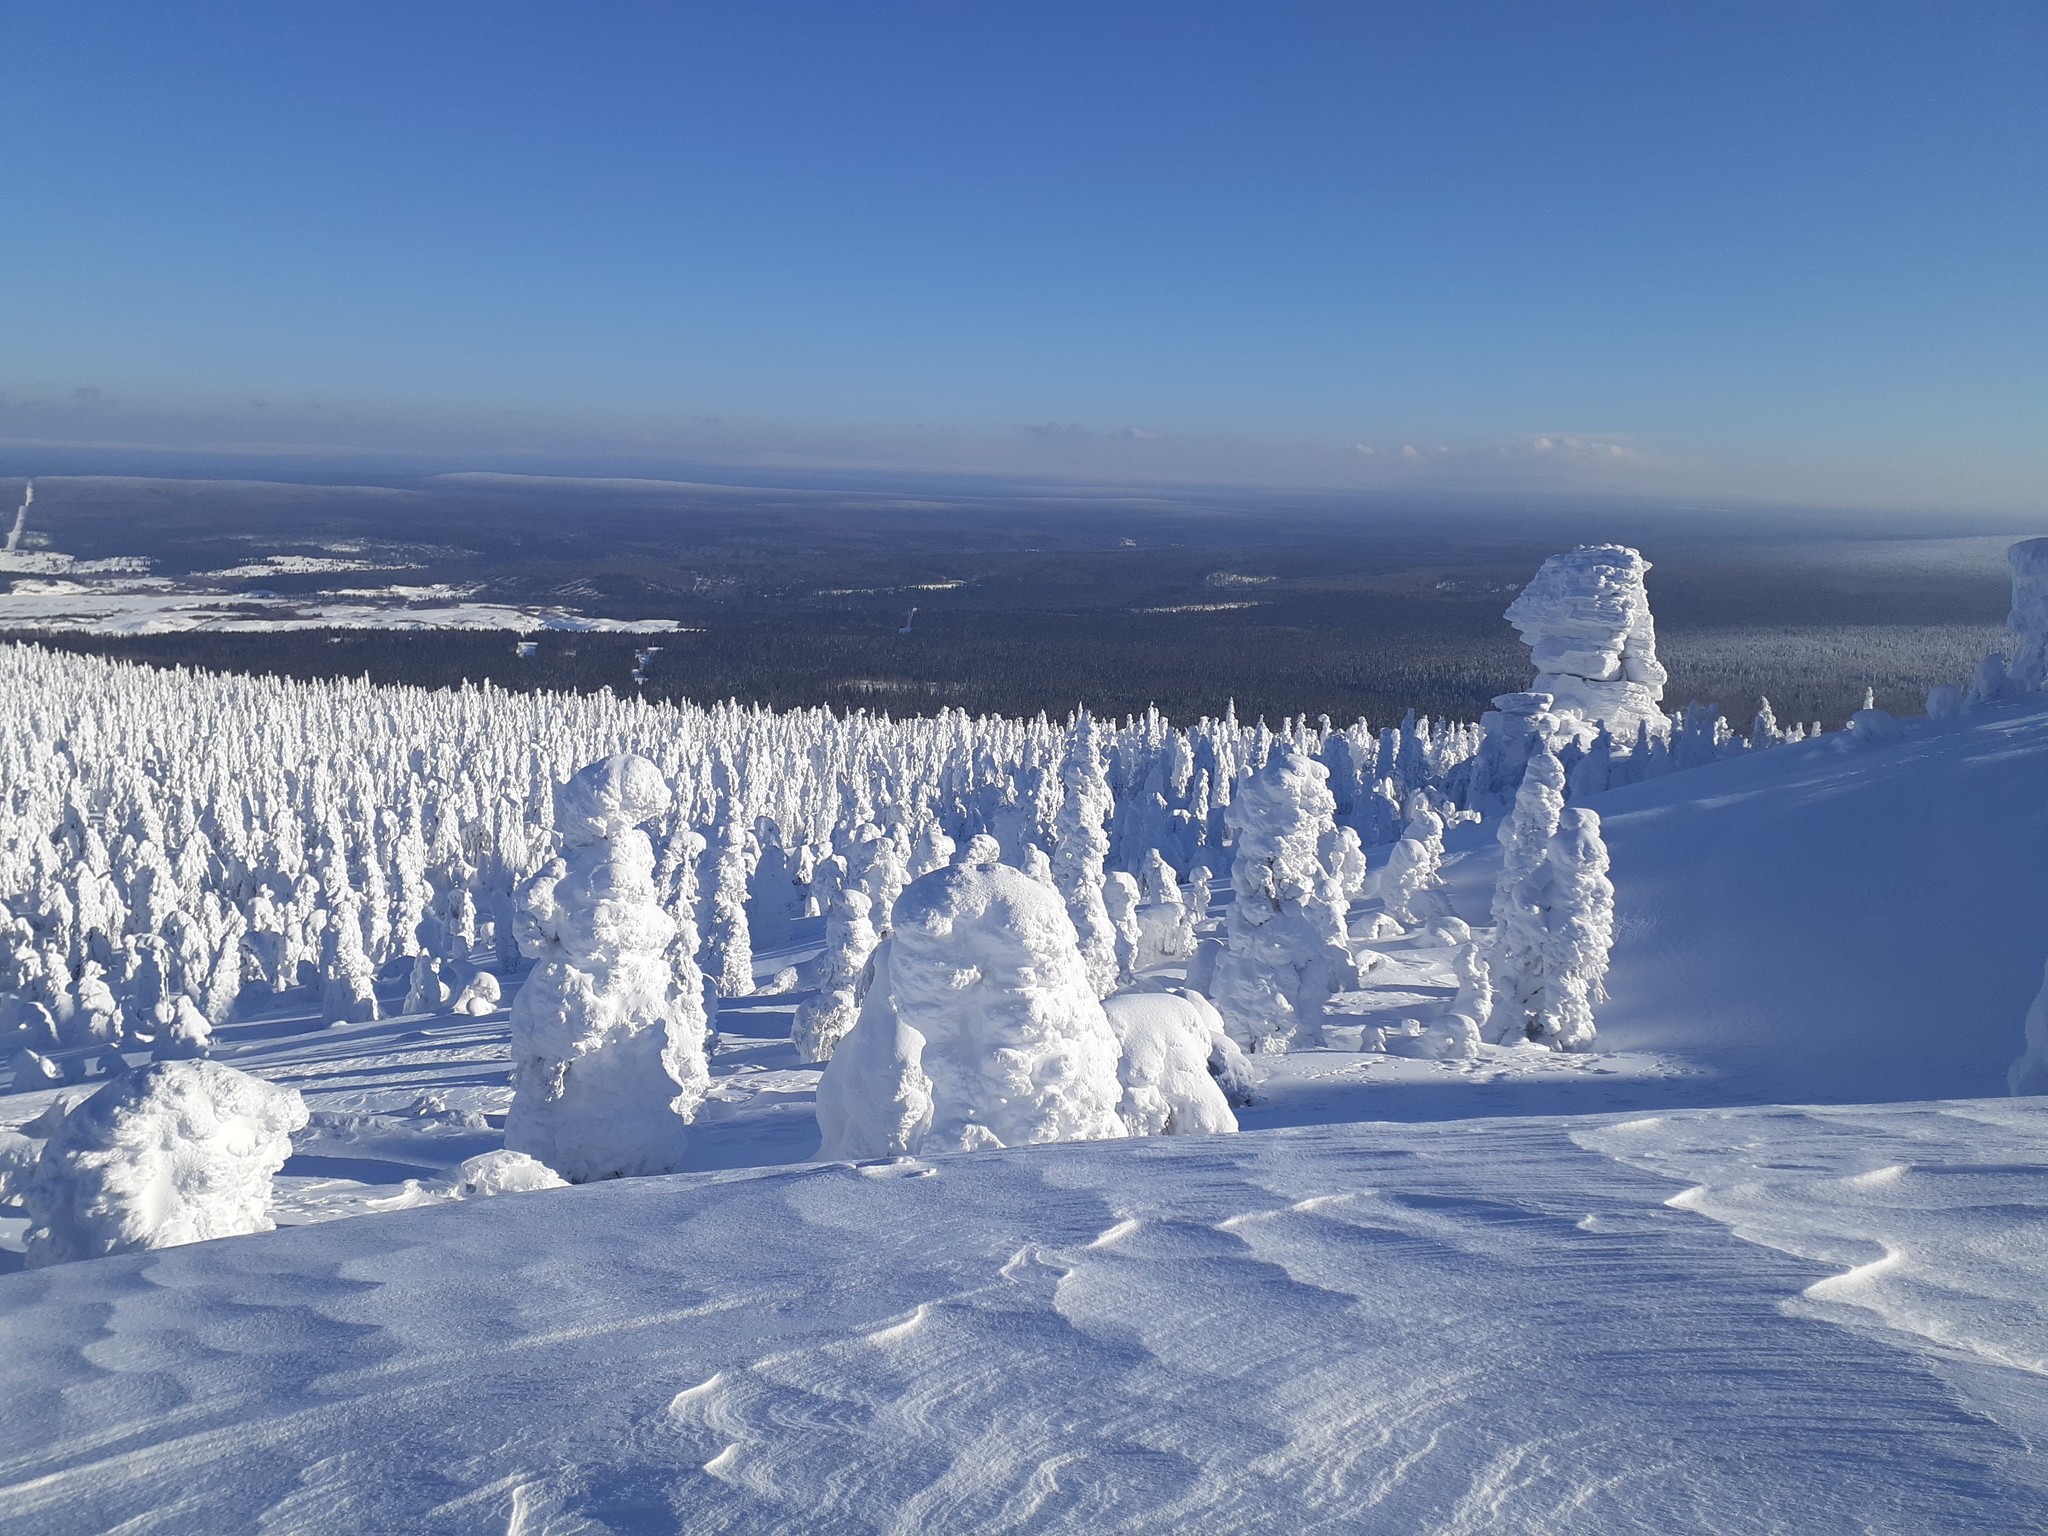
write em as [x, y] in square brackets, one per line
[907, 623]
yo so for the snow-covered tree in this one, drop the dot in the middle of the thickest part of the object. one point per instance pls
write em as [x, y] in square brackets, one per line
[2029, 1074]
[1165, 1041]
[1120, 901]
[823, 1020]
[1166, 931]
[1285, 945]
[177, 1152]
[1079, 851]
[1519, 934]
[980, 1027]
[1579, 919]
[1414, 867]
[607, 1051]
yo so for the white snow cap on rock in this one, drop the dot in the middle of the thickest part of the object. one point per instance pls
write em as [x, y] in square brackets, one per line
[607, 1051]
[178, 1152]
[1586, 620]
[980, 1028]
[504, 1173]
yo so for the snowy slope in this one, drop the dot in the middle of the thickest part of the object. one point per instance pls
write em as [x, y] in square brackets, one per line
[1835, 923]
[1488, 1326]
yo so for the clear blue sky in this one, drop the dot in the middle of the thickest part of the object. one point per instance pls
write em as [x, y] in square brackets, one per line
[1795, 248]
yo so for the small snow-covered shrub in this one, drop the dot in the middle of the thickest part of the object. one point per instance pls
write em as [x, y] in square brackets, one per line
[1165, 1039]
[980, 1029]
[178, 1152]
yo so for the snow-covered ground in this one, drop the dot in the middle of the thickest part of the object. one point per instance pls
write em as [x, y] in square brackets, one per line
[1623, 1290]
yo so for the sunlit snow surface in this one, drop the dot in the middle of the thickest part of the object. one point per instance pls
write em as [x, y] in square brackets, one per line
[1476, 1326]
[1629, 1310]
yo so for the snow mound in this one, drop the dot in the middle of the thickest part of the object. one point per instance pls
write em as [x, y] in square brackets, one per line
[178, 1152]
[1585, 617]
[504, 1172]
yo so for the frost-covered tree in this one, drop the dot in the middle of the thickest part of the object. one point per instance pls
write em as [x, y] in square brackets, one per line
[178, 1152]
[607, 1051]
[981, 1027]
[823, 1020]
[1166, 931]
[1519, 936]
[728, 942]
[1579, 919]
[1120, 901]
[1414, 867]
[1166, 1040]
[1285, 945]
[2029, 1074]
[1081, 846]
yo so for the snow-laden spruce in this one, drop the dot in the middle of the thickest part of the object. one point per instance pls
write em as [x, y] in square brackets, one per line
[608, 1055]
[1174, 1059]
[980, 1028]
[2029, 1074]
[1515, 959]
[1285, 946]
[1414, 867]
[177, 1152]
[1081, 847]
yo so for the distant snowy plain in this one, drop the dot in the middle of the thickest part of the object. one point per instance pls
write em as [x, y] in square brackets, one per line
[1652, 1299]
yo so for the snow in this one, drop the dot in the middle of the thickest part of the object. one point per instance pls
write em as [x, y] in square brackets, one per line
[1765, 1257]
[178, 1152]
[1585, 617]
[1357, 1327]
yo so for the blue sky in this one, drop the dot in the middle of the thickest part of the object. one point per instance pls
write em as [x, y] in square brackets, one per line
[1794, 249]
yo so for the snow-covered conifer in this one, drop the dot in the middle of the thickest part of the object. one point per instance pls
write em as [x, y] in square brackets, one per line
[822, 1021]
[607, 1051]
[1579, 922]
[1165, 930]
[178, 1152]
[1519, 937]
[981, 1027]
[1079, 851]
[1285, 945]
[1414, 867]
[1120, 901]
[1164, 1040]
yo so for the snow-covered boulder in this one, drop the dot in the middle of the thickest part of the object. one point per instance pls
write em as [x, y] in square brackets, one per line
[178, 1152]
[1585, 617]
[980, 1028]
[1166, 1042]
[608, 1053]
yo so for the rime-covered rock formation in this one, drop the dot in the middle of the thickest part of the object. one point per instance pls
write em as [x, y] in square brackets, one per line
[607, 1051]
[1586, 620]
